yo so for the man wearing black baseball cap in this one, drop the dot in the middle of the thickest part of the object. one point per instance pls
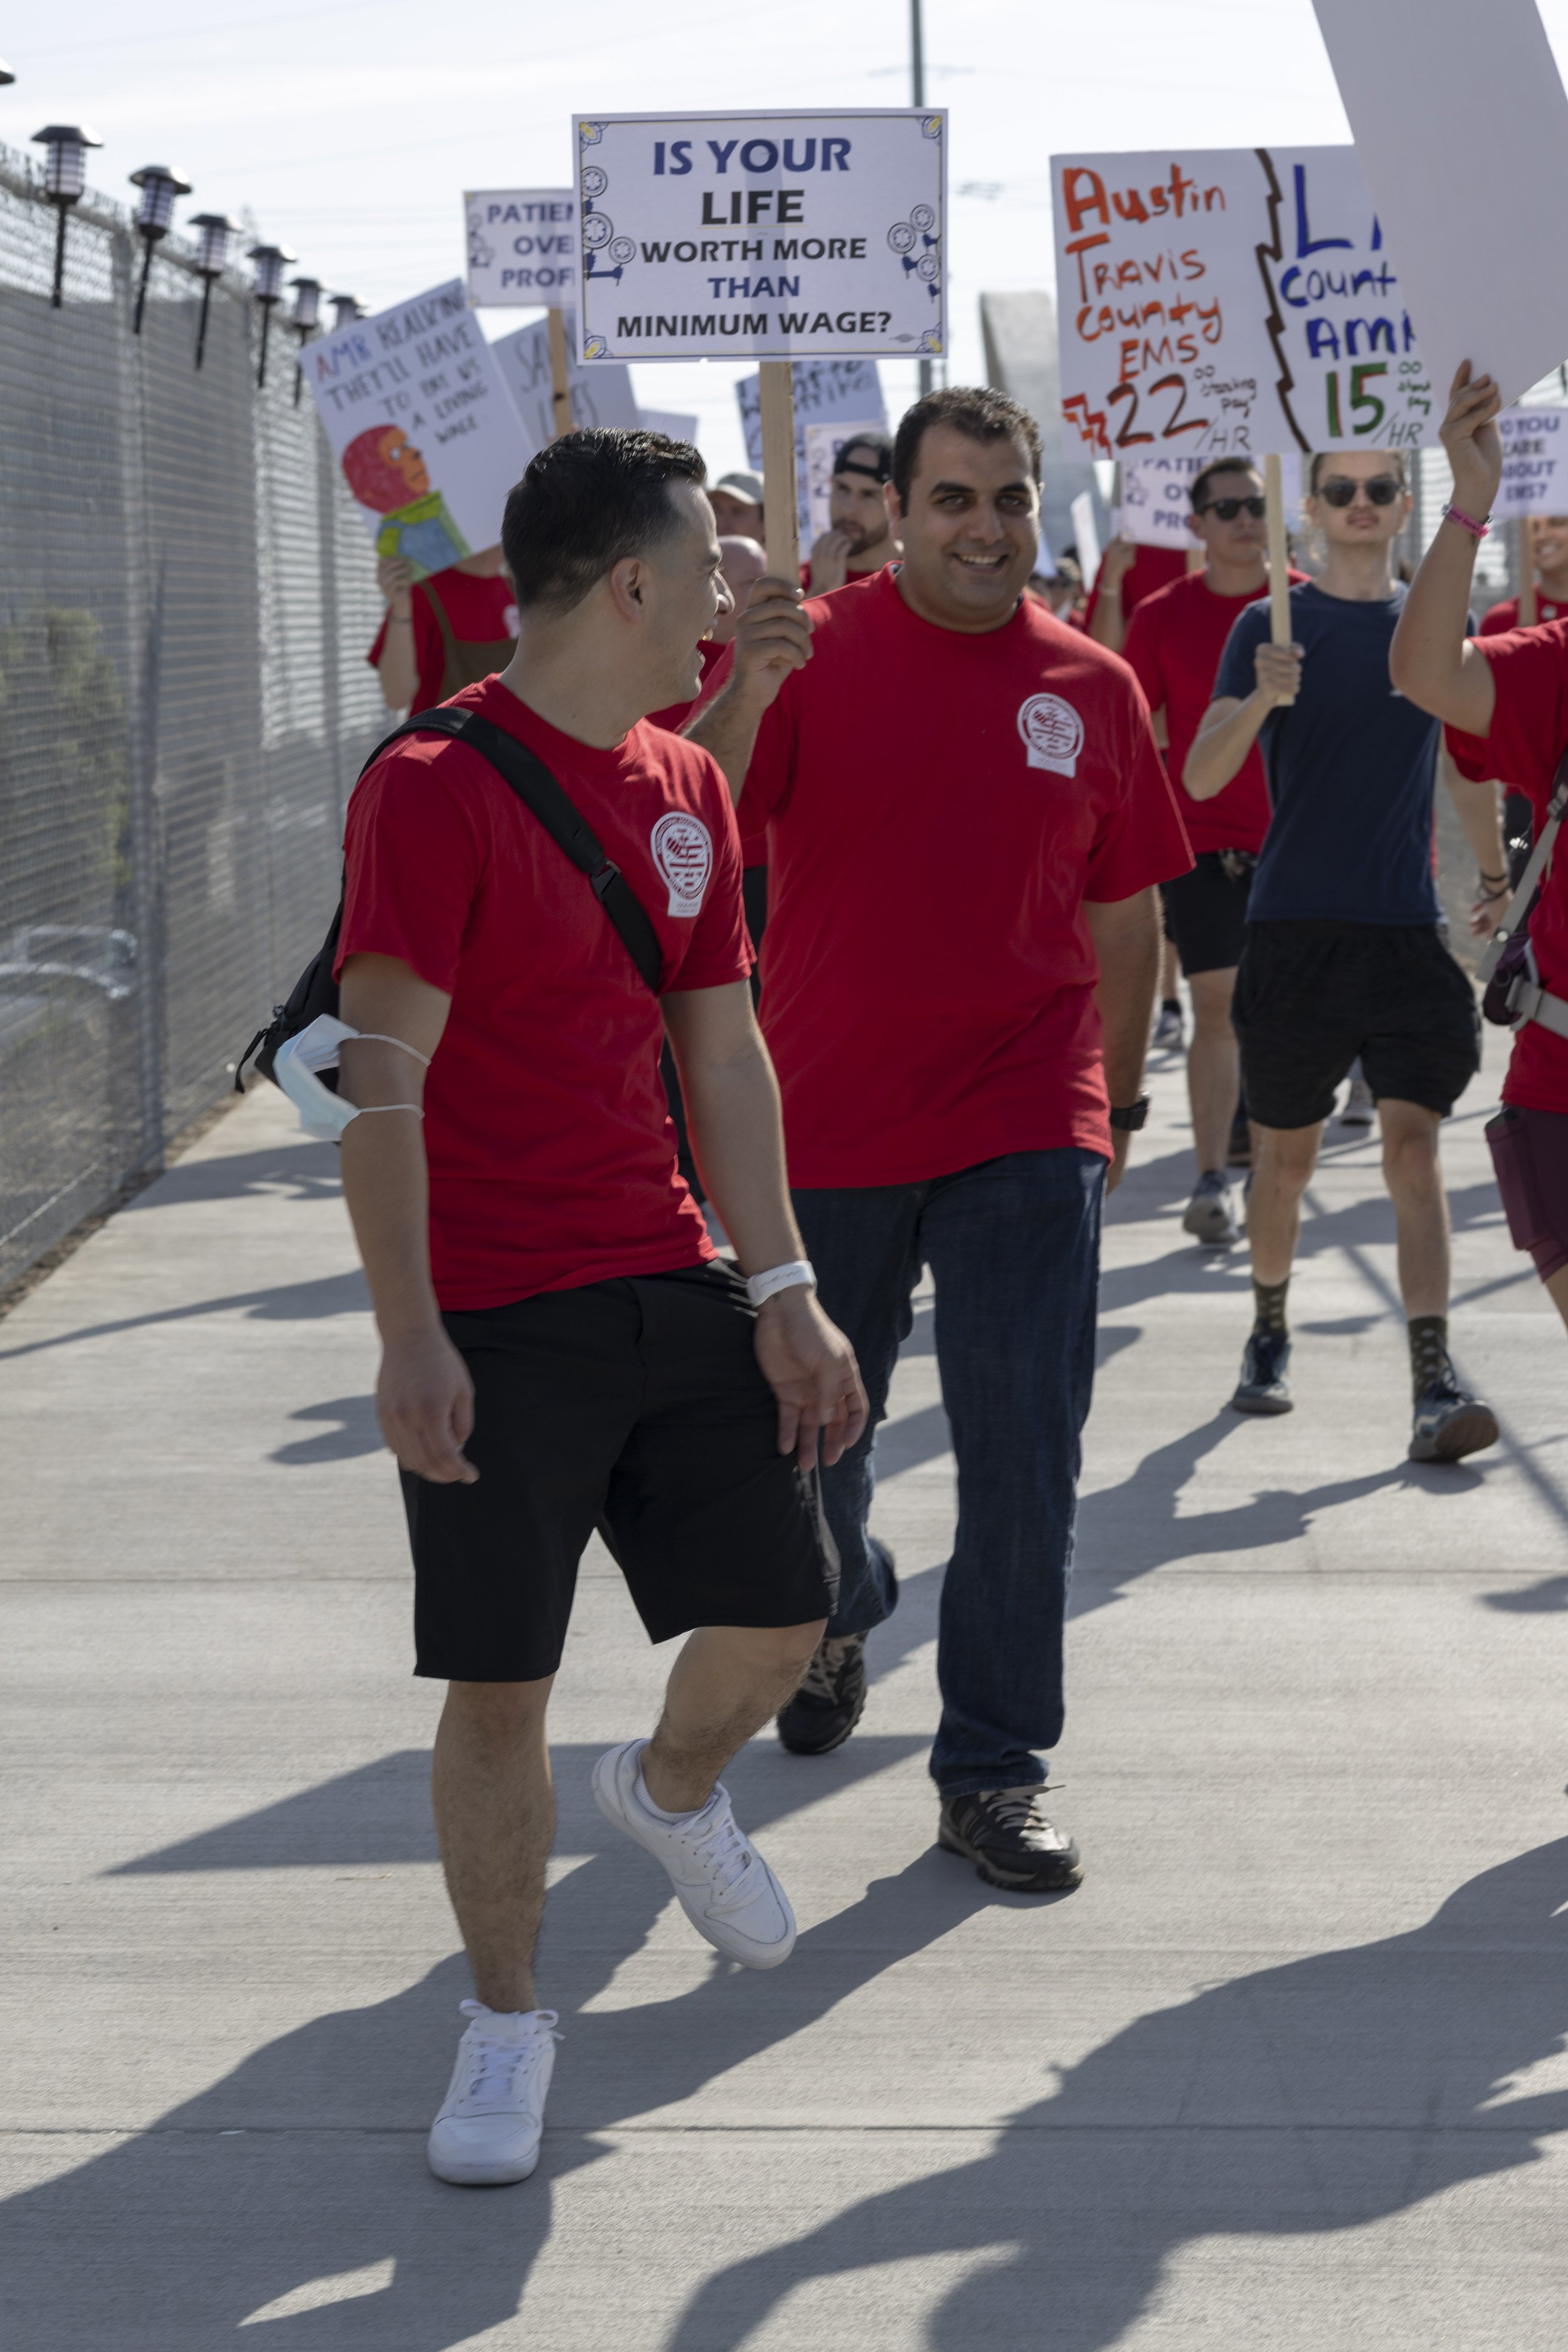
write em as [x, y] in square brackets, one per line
[860, 536]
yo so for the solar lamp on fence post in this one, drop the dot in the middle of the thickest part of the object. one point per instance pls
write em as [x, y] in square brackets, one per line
[345, 310]
[271, 260]
[211, 261]
[155, 217]
[6, 74]
[65, 177]
[304, 320]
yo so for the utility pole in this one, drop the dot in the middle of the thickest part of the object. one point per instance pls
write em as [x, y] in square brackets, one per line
[918, 98]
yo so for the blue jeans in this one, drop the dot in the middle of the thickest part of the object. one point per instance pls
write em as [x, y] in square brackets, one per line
[1014, 1245]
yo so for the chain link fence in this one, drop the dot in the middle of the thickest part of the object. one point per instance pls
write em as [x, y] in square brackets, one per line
[185, 602]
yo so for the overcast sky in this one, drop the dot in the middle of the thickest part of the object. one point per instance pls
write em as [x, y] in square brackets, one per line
[349, 129]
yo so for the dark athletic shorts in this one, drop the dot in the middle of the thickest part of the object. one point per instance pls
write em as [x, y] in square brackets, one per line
[1311, 996]
[1530, 1153]
[637, 1407]
[1206, 914]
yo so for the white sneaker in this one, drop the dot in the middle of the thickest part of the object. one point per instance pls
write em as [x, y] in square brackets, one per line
[1360, 1105]
[726, 1889]
[1207, 1215]
[489, 2130]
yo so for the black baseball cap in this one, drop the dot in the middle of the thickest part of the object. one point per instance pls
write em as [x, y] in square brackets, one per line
[870, 453]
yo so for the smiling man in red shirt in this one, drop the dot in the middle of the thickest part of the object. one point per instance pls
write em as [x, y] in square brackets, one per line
[966, 819]
[561, 1347]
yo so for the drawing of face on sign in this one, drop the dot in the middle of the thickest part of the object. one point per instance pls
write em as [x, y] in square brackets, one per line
[383, 469]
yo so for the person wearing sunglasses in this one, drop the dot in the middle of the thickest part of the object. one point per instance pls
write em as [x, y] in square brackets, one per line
[1174, 641]
[1343, 955]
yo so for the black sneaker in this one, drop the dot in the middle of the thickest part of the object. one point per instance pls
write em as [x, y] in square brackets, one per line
[830, 1701]
[1263, 1387]
[1448, 1423]
[1005, 1833]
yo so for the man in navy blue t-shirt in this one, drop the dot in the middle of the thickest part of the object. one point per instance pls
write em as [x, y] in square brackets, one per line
[1343, 954]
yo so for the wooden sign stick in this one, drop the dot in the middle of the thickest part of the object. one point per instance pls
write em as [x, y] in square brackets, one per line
[781, 517]
[560, 385]
[1278, 554]
[1529, 609]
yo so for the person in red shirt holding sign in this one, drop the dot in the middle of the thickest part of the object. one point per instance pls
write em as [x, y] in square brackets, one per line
[560, 1345]
[967, 817]
[1504, 703]
[1175, 641]
[445, 632]
[1545, 539]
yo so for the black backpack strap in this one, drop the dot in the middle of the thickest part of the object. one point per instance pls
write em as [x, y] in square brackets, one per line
[1521, 904]
[538, 789]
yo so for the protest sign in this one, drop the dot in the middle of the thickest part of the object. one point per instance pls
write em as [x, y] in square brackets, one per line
[802, 235]
[1431, 86]
[599, 396]
[1156, 498]
[1534, 462]
[522, 247]
[419, 418]
[1232, 299]
[1085, 537]
[833, 400]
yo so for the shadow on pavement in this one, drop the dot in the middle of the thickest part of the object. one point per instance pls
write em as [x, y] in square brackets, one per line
[1319, 2096]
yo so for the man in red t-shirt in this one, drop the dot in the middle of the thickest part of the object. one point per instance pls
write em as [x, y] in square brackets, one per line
[1504, 700]
[859, 538]
[1546, 546]
[445, 632]
[1175, 641]
[1127, 573]
[967, 819]
[561, 1347]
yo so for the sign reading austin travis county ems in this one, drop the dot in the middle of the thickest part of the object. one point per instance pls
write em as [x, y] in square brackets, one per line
[1235, 299]
[761, 236]
[522, 247]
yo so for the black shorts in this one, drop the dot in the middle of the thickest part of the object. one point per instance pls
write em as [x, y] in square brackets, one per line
[635, 1406]
[1206, 914]
[1311, 996]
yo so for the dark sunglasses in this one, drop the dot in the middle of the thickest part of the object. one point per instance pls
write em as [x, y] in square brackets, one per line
[1382, 490]
[1228, 508]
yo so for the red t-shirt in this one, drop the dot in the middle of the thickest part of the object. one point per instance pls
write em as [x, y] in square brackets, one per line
[1174, 641]
[1505, 616]
[1151, 568]
[940, 805]
[552, 1156]
[1529, 732]
[482, 612]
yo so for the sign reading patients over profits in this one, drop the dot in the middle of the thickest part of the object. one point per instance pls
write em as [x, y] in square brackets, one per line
[1232, 299]
[422, 425]
[600, 396]
[768, 236]
[1157, 497]
[833, 400]
[1534, 462]
[523, 247]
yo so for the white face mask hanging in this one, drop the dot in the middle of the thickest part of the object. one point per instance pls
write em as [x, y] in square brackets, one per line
[322, 1113]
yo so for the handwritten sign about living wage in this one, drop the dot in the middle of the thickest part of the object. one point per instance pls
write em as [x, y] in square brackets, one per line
[1157, 494]
[1489, 288]
[833, 400]
[773, 237]
[1534, 462]
[1232, 299]
[421, 422]
[523, 247]
[600, 396]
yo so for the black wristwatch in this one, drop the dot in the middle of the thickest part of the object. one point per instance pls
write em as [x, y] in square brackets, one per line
[1132, 1117]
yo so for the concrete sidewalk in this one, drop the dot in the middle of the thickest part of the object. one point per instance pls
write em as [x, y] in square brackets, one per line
[1288, 2070]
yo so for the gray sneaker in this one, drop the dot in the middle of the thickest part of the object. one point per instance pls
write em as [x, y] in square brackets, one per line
[1207, 1215]
[1263, 1387]
[1448, 1423]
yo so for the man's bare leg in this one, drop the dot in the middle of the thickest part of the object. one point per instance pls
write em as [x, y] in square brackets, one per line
[728, 1681]
[1214, 1068]
[1414, 1174]
[495, 1818]
[1282, 1170]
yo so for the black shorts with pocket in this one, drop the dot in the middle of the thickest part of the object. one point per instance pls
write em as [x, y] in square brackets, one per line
[1206, 913]
[1311, 996]
[635, 1406]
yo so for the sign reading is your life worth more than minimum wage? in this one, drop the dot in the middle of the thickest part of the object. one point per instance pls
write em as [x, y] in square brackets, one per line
[1232, 299]
[798, 235]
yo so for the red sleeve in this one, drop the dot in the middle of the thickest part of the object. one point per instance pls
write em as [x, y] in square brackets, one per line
[414, 855]
[1530, 723]
[1142, 839]
[771, 772]
[1501, 617]
[1142, 655]
[721, 949]
[429, 652]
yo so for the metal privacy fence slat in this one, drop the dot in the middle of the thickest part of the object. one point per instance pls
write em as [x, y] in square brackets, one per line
[186, 601]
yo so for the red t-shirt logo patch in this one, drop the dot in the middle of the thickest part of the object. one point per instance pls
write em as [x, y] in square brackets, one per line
[1052, 732]
[683, 852]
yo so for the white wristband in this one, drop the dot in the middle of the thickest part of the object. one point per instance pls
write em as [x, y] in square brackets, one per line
[760, 1287]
